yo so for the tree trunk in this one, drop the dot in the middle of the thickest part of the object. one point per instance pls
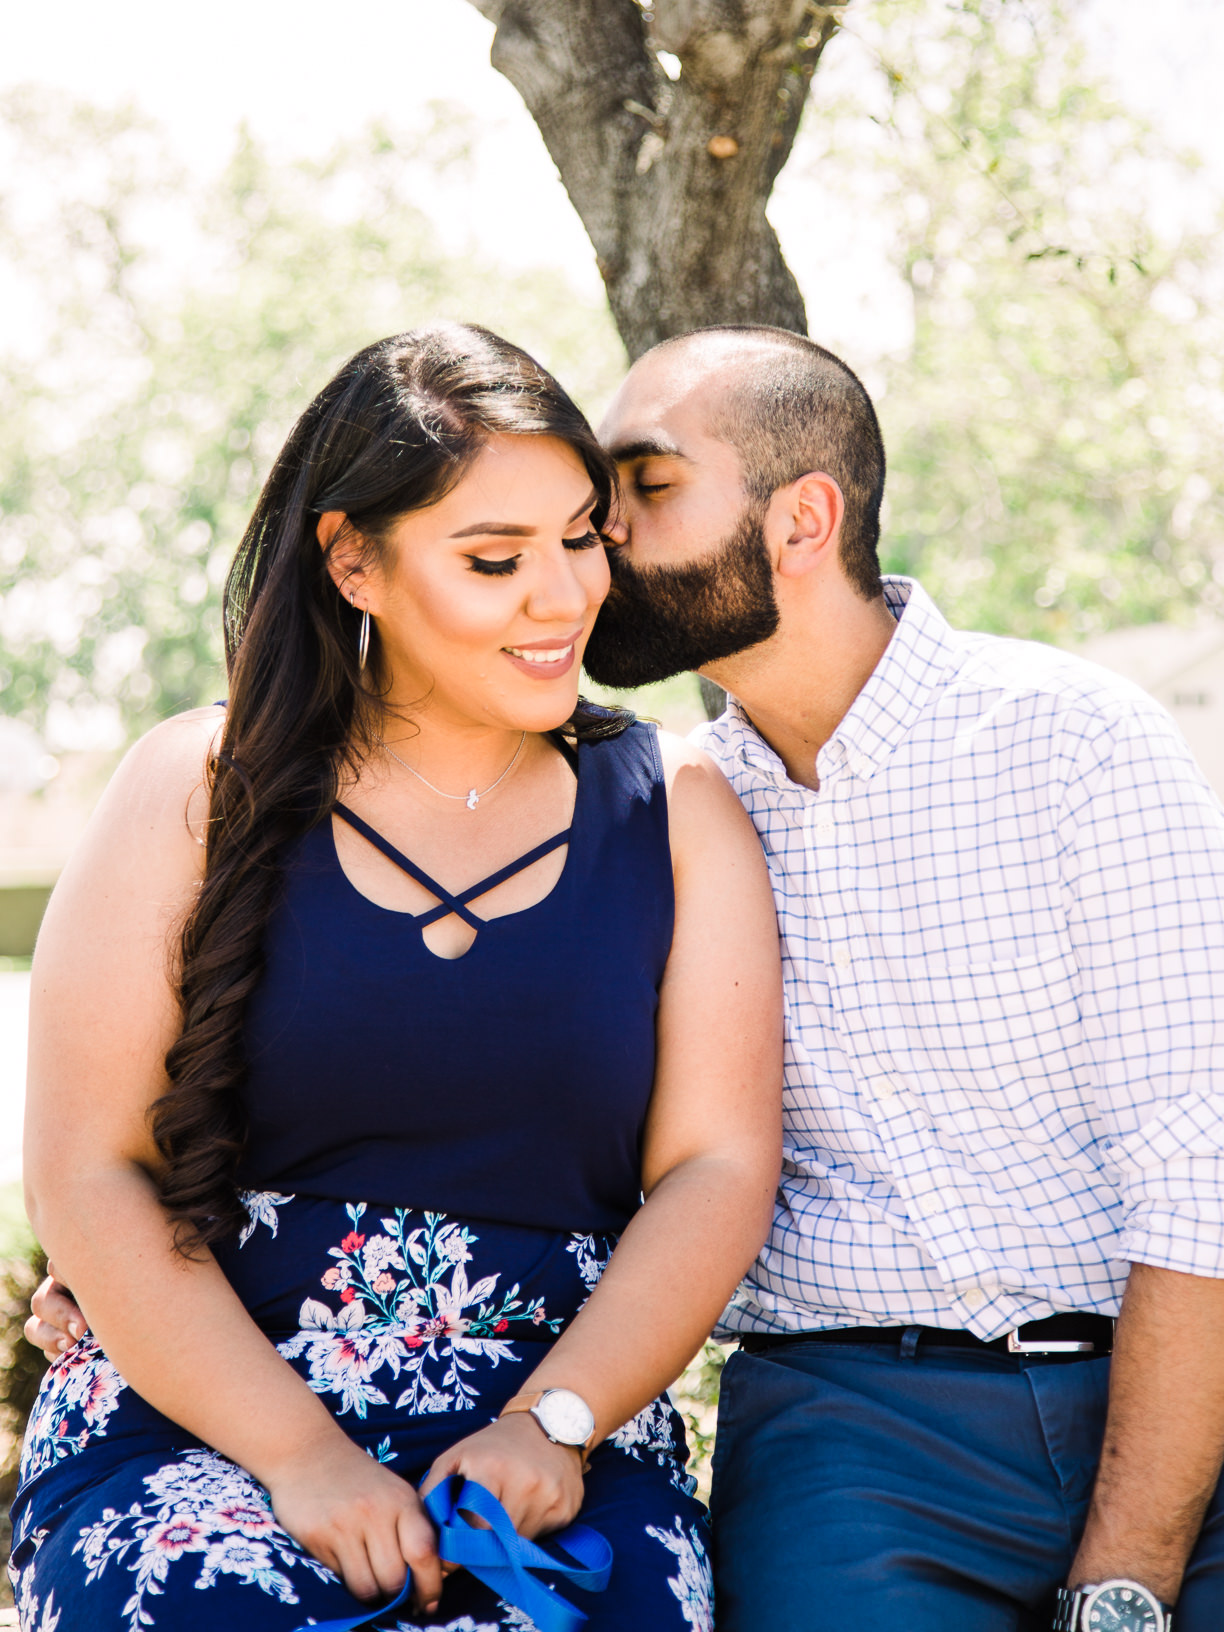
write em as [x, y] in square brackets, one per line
[671, 177]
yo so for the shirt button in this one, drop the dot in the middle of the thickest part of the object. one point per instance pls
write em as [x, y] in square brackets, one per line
[929, 1206]
[886, 1088]
[824, 826]
[842, 957]
[974, 1298]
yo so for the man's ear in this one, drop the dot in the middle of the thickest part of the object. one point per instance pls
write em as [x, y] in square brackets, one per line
[342, 551]
[812, 507]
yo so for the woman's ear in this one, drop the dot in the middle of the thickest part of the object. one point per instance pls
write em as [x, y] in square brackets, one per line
[341, 546]
[816, 506]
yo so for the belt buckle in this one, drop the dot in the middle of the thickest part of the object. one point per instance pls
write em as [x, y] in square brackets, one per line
[1015, 1346]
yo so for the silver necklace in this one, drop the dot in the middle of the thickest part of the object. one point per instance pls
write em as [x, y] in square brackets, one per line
[472, 797]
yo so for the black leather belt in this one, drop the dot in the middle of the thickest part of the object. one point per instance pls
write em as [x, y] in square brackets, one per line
[1083, 1336]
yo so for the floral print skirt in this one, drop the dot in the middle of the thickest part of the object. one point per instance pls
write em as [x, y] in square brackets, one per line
[415, 1328]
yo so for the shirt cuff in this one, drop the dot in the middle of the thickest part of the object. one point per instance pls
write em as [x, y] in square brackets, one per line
[1189, 1240]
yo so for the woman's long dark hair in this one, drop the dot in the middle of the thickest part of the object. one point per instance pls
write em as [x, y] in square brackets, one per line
[392, 432]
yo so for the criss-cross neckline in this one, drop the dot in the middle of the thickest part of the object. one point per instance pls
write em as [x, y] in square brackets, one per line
[449, 902]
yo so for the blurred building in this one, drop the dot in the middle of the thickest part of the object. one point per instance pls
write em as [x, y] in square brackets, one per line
[1183, 668]
[44, 805]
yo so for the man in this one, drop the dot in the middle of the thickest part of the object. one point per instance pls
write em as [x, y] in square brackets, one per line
[999, 880]
[1000, 887]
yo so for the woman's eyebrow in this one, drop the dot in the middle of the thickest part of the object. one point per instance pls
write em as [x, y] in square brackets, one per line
[504, 529]
[510, 529]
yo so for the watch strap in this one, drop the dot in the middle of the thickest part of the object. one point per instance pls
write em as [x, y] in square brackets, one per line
[528, 1403]
[1066, 1609]
[521, 1402]
[1071, 1601]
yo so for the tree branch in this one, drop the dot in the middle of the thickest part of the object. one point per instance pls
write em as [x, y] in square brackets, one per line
[671, 180]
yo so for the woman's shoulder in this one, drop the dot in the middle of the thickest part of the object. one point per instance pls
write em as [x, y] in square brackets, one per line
[644, 751]
[678, 754]
[157, 799]
[140, 859]
[703, 808]
[172, 758]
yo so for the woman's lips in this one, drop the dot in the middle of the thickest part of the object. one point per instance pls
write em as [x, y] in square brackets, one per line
[542, 662]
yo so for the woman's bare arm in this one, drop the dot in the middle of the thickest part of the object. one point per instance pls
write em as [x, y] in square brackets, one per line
[711, 1160]
[103, 1013]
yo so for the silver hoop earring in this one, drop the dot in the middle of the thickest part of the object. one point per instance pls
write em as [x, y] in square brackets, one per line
[363, 638]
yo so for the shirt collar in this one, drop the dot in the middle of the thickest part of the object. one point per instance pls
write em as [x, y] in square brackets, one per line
[914, 663]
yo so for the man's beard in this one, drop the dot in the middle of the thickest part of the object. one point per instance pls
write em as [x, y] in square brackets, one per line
[660, 621]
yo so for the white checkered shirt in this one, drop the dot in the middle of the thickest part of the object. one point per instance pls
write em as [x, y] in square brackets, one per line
[1002, 921]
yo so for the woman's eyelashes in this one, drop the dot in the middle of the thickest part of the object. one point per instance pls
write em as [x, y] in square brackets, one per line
[493, 569]
[502, 569]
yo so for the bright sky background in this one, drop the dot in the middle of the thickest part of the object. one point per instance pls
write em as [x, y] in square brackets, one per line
[305, 73]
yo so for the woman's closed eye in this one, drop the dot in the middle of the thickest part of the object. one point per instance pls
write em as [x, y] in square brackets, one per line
[493, 569]
[503, 568]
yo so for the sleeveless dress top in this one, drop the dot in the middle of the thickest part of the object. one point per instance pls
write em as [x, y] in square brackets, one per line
[441, 1155]
[509, 1084]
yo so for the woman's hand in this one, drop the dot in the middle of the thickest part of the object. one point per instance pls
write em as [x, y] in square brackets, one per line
[352, 1514]
[361, 1520]
[538, 1483]
[55, 1321]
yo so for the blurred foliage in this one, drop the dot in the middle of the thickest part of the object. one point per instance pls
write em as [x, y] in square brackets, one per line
[696, 1395]
[1055, 432]
[21, 1372]
[177, 328]
[674, 704]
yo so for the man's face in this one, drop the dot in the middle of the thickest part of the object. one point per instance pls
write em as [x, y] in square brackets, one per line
[692, 581]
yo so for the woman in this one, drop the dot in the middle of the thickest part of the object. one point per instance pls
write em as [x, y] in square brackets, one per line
[404, 1046]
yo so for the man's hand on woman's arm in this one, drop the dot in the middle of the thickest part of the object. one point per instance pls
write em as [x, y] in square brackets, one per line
[55, 1322]
[1164, 1437]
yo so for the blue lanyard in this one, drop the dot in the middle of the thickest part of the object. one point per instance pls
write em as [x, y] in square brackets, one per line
[501, 1558]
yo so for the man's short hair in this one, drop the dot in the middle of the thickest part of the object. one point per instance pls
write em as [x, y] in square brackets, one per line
[791, 407]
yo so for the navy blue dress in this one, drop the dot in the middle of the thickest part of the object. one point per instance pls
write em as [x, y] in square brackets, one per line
[441, 1155]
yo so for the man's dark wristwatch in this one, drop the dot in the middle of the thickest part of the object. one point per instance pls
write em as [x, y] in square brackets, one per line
[1111, 1606]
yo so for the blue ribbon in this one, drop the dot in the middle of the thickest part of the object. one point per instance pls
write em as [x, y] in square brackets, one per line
[501, 1558]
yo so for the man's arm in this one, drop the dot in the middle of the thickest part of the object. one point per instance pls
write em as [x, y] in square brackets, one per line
[1143, 865]
[1164, 1437]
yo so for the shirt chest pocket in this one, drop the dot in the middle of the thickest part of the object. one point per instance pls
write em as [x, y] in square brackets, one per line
[992, 1022]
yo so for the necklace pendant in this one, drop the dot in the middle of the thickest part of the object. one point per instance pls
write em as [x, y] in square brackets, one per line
[473, 799]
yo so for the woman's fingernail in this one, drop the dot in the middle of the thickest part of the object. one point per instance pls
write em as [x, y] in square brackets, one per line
[432, 1609]
[75, 1327]
[62, 1344]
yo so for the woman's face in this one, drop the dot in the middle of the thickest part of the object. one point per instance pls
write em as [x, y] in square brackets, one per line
[484, 601]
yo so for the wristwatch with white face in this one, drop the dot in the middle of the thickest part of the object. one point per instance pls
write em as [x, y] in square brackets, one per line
[564, 1416]
[1111, 1606]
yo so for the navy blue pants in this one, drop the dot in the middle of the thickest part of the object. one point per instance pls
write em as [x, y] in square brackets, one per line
[942, 1493]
